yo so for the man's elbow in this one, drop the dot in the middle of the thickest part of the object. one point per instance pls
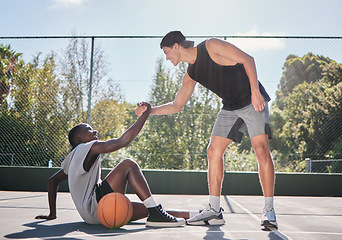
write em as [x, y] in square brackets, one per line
[177, 108]
[125, 144]
[251, 60]
[122, 143]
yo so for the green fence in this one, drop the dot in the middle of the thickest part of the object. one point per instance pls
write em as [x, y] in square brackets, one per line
[187, 182]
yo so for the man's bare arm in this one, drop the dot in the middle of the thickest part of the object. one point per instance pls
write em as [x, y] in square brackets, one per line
[54, 182]
[126, 138]
[227, 50]
[178, 103]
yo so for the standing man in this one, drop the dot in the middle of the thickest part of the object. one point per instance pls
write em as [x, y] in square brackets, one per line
[231, 74]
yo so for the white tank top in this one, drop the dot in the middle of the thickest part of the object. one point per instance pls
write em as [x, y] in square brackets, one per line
[82, 183]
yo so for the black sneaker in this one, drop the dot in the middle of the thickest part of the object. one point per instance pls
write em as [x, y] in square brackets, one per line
[159, 218]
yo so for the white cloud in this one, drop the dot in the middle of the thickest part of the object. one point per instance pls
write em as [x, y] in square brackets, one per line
[258, 44]
[67, 3]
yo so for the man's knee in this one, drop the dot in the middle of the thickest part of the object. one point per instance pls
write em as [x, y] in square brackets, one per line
[211, 150]
[214, 154]
[262, 152]
[129, 163]
[217, 146]
[216, 149]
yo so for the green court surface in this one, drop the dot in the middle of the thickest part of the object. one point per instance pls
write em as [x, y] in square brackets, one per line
[298, 218]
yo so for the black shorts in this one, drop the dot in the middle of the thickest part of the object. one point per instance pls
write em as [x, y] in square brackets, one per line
[102, 189]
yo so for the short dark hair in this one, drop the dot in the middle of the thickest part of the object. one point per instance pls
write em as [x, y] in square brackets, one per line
[72, 134]
[175, 37]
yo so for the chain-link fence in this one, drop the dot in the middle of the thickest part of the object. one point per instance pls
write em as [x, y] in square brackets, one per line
[49, 84]
[323, 166]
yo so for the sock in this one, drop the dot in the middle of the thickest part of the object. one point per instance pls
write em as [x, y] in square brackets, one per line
[269, 201]
[149, 202]
[214, 202]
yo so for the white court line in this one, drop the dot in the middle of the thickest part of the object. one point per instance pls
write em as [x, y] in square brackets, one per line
[278, 233]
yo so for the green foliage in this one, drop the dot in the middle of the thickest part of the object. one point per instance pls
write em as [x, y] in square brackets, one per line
[297, 70]
[177, 141]
[45, 101]
[8, 63]
[32, 114]
[41, 100]
[237, 160]
[307, 117]
[108, 116]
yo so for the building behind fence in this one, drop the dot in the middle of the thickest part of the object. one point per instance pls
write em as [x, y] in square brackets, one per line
[111, 74]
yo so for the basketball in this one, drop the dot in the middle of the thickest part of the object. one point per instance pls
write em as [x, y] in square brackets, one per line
[114, 210]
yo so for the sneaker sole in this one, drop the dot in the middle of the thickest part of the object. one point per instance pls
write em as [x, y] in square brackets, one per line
[211, 222]
[267, 223]
[165, 224]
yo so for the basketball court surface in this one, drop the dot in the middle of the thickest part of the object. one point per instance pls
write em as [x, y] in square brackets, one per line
[298, 218]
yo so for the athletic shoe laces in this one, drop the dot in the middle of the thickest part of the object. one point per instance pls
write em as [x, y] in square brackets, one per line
[268, 213]
[161, 210]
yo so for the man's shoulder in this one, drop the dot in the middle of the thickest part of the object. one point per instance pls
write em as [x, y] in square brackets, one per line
[213, 40]
[214, 43]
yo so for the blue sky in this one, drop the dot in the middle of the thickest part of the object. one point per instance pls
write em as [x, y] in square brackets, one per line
[155, 17]
[192, 17]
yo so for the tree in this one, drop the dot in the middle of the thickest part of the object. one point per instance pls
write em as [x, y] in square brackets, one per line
[296, 70]
[158, 144]
[306, 117]
[46, 100]
[33, 115]
[177, 141]
[109, 116]
[75, 72]
[8, 62]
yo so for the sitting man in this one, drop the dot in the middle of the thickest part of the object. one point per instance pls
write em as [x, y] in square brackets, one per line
[82, 170]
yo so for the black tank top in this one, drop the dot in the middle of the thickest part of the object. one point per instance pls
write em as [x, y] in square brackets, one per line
[230, 83]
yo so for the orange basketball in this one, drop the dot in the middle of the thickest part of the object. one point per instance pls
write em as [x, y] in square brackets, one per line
[114, 210]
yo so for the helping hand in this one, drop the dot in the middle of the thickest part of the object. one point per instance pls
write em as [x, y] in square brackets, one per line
[142, 107]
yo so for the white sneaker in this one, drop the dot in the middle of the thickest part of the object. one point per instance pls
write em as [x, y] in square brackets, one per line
[268, 217]
[207, 216]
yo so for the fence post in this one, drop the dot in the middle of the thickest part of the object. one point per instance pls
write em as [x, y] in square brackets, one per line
[308, 165]
[90, 80]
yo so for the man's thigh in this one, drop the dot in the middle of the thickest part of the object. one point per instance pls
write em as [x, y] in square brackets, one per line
[257, 123]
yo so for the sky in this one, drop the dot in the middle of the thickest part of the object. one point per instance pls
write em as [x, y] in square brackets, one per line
[192, 17]
[157, 17]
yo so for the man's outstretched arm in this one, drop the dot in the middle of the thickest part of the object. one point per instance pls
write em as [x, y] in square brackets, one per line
[126, 138]
[178, 103]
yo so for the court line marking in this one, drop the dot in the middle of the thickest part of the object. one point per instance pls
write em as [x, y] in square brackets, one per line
[255, 217]
[20, 198]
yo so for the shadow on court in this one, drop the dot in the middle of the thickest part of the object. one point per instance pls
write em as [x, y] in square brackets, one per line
[298, 218]
[214, 232]
[39, 230]
[60, 231]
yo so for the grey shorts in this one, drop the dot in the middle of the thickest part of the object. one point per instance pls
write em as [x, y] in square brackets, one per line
[233, 124]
